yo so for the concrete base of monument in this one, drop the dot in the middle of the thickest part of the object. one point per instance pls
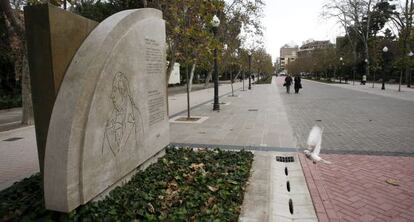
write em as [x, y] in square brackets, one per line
[128, 177]
[192, 119]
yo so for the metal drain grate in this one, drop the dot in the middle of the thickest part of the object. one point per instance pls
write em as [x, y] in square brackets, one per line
[285, 159]
[253, 110]
[13, 139]
[288, 186]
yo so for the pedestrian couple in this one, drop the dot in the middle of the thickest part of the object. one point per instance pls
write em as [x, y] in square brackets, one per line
[288, 82]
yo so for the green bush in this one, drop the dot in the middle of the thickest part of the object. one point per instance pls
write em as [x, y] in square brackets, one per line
[184, 185]
[265, 80]
[7, 102]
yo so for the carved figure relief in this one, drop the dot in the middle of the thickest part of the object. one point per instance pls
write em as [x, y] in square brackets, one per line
[124, 127]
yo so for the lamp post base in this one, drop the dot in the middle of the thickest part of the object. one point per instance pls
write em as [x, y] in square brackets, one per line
[216, 107]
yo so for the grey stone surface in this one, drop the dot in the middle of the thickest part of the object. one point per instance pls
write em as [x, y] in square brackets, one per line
[18, 158]
[236, 125]
[111, 111]
[53, 37]
[355, 121]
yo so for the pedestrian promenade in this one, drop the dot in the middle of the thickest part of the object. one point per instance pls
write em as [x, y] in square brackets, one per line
[391, 90]
[352, 188]
[253, 119]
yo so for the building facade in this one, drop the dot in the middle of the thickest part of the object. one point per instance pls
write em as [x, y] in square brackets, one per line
[288, 54]
[309, 46]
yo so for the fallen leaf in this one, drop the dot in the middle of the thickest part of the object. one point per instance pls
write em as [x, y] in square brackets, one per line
[210, 200]
[393, 182]
[195, 166]
[212, 189]
[150, 208]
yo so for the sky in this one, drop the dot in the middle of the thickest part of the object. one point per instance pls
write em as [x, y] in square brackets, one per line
[295, 21]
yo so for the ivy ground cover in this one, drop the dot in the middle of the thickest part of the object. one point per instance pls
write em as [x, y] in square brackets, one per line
[184, 185]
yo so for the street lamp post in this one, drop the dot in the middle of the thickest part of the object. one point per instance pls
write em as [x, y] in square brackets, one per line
[366, 71]
[215, 22]
[385, 60]
[342, 67]
[411, 54]
[250, 73]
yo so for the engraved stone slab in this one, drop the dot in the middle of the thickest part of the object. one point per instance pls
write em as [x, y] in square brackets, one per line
[110, 114]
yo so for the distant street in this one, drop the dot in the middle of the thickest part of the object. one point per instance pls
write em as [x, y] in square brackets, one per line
[353, 121]
[10, 119]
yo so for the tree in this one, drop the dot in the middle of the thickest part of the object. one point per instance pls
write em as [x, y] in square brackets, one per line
[362, 20]
[16, 26]
[403, 20]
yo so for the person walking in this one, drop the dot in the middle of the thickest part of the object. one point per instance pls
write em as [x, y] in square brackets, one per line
[288, 82]
[364, 79]
[297, 85]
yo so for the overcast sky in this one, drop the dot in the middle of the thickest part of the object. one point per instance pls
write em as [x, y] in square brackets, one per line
[294, 21]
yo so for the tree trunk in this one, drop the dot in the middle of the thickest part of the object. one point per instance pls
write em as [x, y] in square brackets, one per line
[367, 39]
[171, 64]
[208, 77]
[192, 76]
[367, 72]
[27, 117]
[237, 76]
[354, 62]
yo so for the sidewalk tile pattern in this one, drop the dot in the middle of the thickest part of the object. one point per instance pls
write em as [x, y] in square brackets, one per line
[354, 188]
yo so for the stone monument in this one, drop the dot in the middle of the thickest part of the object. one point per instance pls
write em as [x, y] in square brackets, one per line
[110, 115]
[53, 36]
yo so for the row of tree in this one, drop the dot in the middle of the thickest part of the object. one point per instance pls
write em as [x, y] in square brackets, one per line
[367, 25]
[190, 39]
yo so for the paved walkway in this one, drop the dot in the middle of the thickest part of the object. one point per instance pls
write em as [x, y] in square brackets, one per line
[255, 118]
[18, 157]
[10, 119]
[353, 188]
[355, 121]
[391, 90]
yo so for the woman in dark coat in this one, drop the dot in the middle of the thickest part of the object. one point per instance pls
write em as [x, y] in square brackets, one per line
[288, 82]
[298, 85]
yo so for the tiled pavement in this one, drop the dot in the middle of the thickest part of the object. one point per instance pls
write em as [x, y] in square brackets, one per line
[18, 158]
[354, 188]
[354, 121]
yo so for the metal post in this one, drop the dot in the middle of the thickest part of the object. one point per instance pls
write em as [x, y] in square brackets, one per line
[384, 70]
[216, 105]
[188, 92]
[250, 74]
[409, 70]
[231, 82]
[243, 80]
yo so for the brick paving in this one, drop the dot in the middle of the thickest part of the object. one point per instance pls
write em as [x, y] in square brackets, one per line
[354, 188]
